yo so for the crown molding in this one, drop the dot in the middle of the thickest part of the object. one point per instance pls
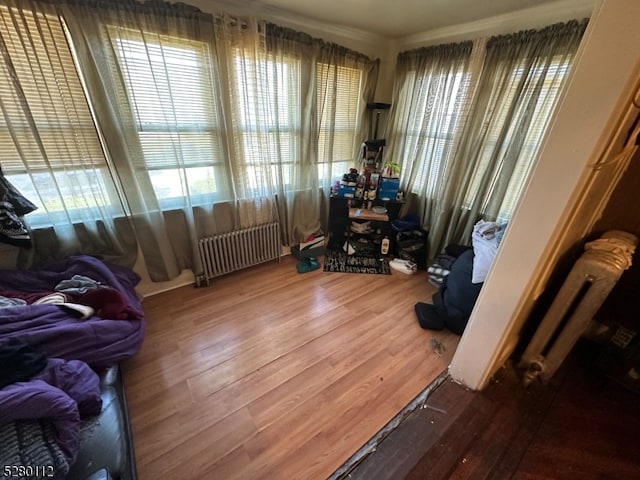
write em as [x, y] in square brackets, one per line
[386, 48]
[369, 42]
[533, 17]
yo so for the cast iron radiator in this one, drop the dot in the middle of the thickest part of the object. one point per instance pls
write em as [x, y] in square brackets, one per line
[228, 252]
[588, 284]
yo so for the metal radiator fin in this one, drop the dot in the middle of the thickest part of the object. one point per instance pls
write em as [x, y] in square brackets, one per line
[588, 284]
[232, 251]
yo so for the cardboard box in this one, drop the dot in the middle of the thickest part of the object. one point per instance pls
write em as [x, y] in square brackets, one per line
[389, 188]
[349, 192]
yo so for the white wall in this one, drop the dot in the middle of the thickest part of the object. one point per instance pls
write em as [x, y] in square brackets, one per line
[546, 221]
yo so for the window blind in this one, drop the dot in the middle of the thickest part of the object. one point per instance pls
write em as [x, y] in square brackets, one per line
[46, 121]
[550, 81]
[169, 90]
[435, 118]
[338, 93]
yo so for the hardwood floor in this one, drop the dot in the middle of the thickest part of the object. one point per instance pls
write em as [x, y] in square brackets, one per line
[580, 426]
[268, 373]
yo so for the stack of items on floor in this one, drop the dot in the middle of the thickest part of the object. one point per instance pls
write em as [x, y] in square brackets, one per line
[405, 266]
[410, 245]
[459, 273]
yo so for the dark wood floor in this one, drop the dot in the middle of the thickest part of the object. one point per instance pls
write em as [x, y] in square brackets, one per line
[580, 426]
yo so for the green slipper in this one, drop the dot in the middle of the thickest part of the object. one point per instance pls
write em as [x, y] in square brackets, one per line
[314, 264]
[303, 266]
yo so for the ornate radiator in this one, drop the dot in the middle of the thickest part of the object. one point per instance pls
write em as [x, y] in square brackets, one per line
[591, 279]
[228, 252]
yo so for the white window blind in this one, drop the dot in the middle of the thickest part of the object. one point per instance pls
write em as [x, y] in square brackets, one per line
[552, 80]
[434, 118]
[170, 94]
[338, 92]
[268, 121]
[49, 146]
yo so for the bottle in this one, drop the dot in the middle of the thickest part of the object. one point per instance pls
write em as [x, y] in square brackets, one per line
[384, 247]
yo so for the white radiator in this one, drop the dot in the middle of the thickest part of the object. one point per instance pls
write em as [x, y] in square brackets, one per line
[591, 279]
[228, 252]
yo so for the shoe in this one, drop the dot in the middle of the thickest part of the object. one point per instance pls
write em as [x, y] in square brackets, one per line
[303, 266]
[404, 266]
[307, 265]
[314, 264]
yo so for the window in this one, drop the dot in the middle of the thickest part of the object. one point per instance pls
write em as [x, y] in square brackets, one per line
[49, 146]
[269, 104]
[172, 100]
[338, 92]
[434, 118]
[550, 81]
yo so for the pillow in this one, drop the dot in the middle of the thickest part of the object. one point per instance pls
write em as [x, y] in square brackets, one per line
[485, 246]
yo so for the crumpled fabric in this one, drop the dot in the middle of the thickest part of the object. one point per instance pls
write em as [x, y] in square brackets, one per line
[77, 285]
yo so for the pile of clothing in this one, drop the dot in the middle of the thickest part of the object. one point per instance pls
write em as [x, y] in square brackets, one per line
[459, 273]
[13, 206]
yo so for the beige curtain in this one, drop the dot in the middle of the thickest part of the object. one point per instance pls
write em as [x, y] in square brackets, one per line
[211, 121]
[432, 96]
[49, 147]
[159, 80]
[522, 77]
[268, 97]
[467, 123]
[345, 82]
[119, 44]
[283, 88]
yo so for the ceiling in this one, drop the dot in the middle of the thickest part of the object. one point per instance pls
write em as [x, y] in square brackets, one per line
[395, 18]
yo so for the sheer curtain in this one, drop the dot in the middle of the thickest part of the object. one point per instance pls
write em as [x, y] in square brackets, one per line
[151, 76]
[522, 78]
[49, 147]
[211, 120]
[345, 83]
[431, 100]
[288, 131]
[269, 97]
[476, 142]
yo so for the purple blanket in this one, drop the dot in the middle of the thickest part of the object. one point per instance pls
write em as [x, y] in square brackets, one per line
[100, 342]
[68, 388]
[62, 394]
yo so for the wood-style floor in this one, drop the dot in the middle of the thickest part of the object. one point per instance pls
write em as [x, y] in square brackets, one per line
[268, 373]
[580, 426]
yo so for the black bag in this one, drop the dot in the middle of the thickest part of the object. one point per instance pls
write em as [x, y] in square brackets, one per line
[412, 245]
